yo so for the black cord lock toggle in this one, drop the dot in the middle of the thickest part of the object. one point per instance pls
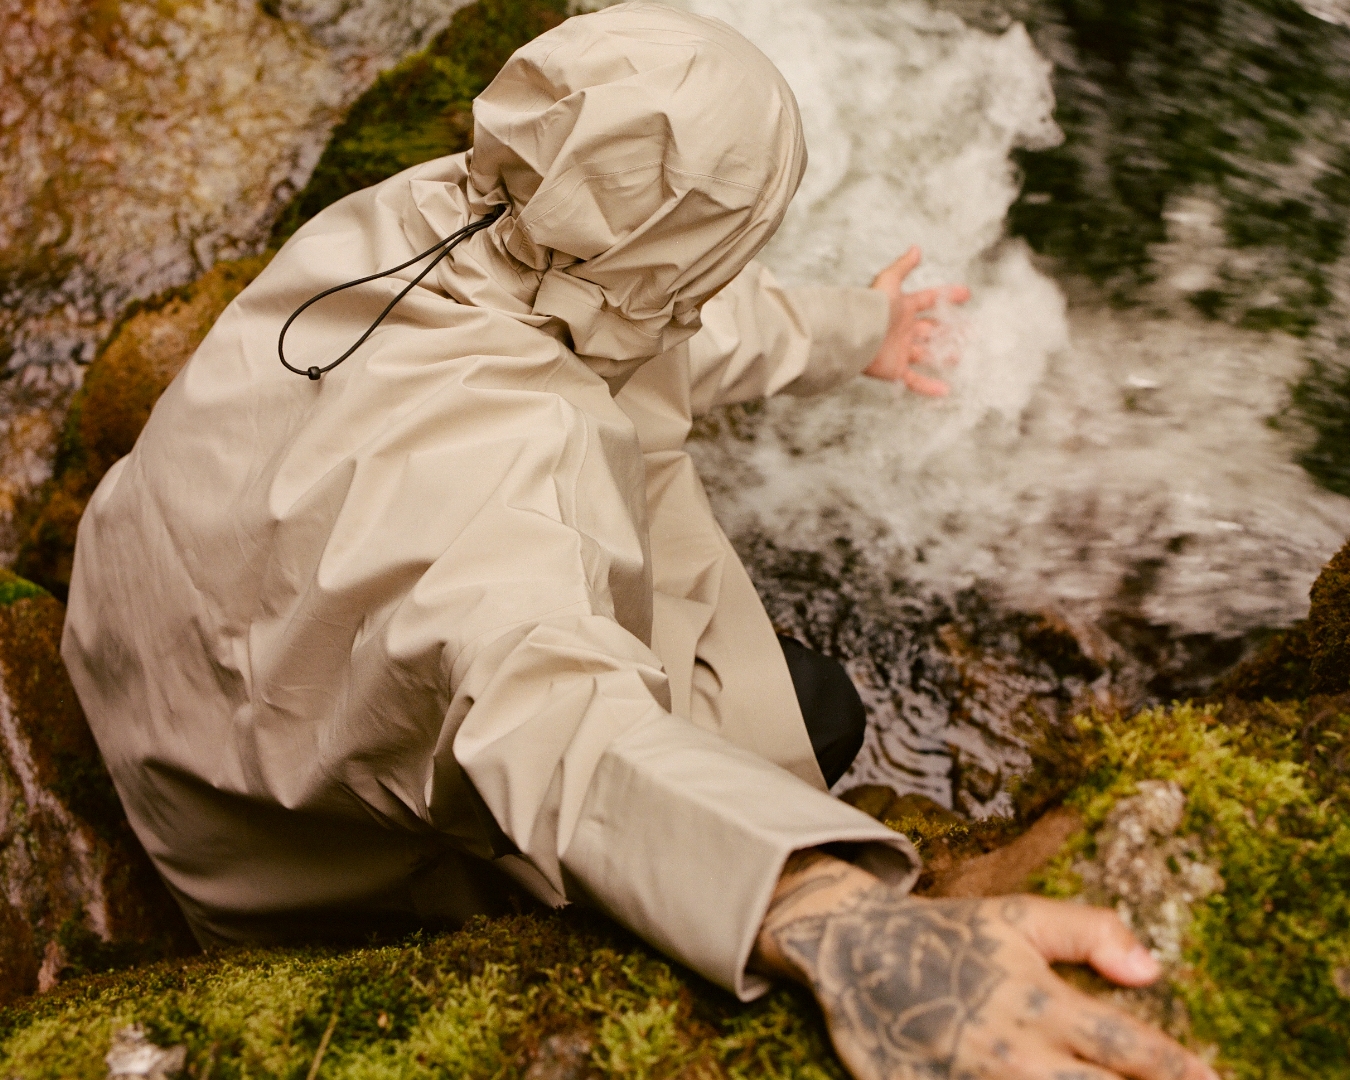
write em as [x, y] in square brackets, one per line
[444, 247]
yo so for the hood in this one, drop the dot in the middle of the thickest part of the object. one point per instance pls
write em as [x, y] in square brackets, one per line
[646, 155]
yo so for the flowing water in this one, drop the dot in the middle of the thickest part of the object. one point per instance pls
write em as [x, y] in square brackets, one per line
[1120, 466]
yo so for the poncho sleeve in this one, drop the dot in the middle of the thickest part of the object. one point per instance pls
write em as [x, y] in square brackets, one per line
[561, 721]
[760, 339]
[671, 830]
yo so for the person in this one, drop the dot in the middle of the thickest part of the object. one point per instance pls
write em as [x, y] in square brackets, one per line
[449, 626]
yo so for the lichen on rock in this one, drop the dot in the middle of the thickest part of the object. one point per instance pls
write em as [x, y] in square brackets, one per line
[1148, 873]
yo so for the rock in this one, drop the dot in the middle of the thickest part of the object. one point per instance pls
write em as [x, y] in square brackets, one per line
[1279, 670]
[133, 1056]
[563, 1057]
[1329, 627]
[1149, 874]
[77, 892]
[1309, 658]
[150, 140]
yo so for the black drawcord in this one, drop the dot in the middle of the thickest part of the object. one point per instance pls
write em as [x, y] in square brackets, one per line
[445, 245]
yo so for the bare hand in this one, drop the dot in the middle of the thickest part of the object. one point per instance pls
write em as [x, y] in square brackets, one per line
[907, 338]
[917, 988]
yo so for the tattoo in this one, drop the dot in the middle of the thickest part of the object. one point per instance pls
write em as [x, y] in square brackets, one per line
[1037, 1000]
[1002, 1050]
[1075, 1074]
[796, 884]
[1113, 1041]
[900, 978]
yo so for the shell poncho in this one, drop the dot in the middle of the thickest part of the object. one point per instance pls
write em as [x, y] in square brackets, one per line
[457, 618]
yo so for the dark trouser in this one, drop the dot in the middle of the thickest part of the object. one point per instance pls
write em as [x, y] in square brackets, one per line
[834, 714]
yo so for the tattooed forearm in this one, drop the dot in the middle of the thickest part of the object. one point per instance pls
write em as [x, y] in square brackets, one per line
[900, 978]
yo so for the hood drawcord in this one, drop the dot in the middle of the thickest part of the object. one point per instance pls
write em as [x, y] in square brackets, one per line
[444, 246]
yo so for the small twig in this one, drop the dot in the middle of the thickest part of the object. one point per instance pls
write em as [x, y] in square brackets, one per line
[323, 1043]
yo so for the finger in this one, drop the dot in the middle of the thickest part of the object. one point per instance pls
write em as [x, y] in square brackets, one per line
[1076, 934]
[924, 329]
[925, 299]
[894, 275]
[1063, 1067]
[924, 384]
[1109, 1037]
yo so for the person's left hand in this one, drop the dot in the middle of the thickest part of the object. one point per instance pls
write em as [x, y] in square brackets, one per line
[907, 339]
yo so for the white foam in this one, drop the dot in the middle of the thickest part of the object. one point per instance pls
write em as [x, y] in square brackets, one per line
[1075, 447]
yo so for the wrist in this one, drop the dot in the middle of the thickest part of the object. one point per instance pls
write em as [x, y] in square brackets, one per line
[813, 884]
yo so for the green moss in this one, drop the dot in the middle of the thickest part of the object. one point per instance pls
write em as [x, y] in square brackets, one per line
[481, 1002]
[421, 109]
[1329, 626]
[13, 587]
[1259, 979]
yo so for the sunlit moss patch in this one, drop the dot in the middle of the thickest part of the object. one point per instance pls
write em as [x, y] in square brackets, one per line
[489, 1001]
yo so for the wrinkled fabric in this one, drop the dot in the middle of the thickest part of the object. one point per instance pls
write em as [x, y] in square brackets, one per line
[457, 619]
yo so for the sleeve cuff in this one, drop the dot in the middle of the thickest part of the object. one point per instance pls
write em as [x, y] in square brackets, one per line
[847, 327]
[683, 836]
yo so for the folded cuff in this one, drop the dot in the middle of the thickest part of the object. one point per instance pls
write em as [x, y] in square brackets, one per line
[683, 836]
[847, 326]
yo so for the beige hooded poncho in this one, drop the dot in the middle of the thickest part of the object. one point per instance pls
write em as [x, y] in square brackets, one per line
[457, 618]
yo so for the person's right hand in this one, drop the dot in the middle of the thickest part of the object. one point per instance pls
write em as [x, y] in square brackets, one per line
[918, 988]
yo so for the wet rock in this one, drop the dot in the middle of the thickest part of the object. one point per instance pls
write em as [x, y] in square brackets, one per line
[1279, 670]
[77, 893]
[149, 140]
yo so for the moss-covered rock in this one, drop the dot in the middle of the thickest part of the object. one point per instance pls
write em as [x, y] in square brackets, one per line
[422, 108]
[1329, 627]
[526, 996]
[79, 893]
[1260, 962]
[1310, 658]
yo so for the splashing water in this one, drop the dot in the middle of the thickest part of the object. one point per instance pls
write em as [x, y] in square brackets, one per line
[1107, 465]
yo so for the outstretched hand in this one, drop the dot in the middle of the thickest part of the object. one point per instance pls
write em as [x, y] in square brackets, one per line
[916, 988]
[908, 336]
